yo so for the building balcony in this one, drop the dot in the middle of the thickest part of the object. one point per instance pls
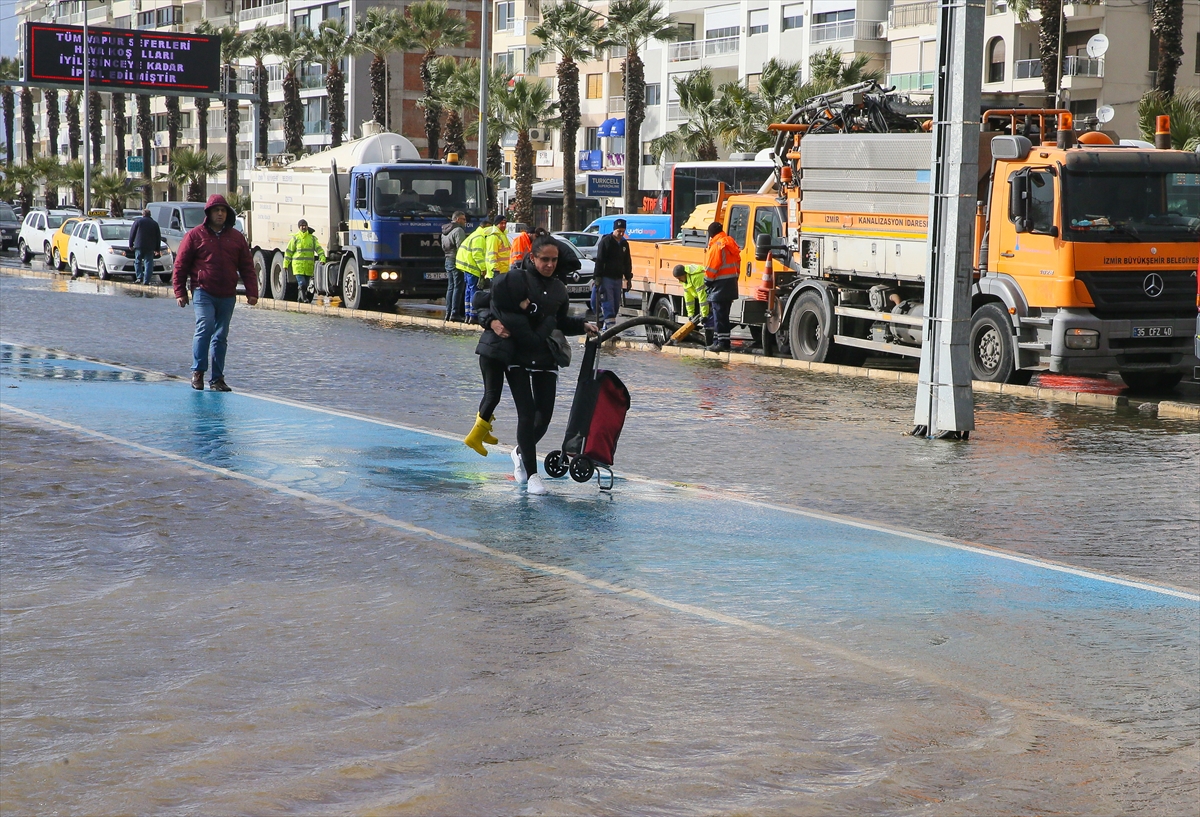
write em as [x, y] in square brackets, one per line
[1083, 67]
[1028, 69]
[848, 30]
[616, 104]
[246, 15]
[914, 82]
[699, 49]
[315, 126]
[675, 112]
[913, 14]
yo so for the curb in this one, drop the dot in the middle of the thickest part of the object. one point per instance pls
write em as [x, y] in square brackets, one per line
[1166, 409]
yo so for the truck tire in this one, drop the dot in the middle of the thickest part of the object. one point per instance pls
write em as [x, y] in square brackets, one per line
[353, 296]
[808, 336]
[663, 308]
[1151, 382]
[992, 345]
[280, 288]
[262, 272]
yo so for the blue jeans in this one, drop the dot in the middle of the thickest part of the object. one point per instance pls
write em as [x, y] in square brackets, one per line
[608, 293]
[471, 283]
[303, 282]
[455, 291]
[212, 332]
[143, 265]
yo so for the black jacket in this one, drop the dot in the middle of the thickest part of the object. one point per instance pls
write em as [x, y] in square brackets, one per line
[145, 234]
[528, 330]
[612, 258]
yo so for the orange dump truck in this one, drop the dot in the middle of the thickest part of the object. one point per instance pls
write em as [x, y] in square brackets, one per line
[1085, 253]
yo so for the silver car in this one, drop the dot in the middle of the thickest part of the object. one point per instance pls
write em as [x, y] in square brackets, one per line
[102, 246]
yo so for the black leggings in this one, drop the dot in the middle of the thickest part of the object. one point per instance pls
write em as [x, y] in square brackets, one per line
[534, 394]
[493, 385]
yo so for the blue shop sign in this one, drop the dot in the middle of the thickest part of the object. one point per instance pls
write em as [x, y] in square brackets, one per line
[605, 186]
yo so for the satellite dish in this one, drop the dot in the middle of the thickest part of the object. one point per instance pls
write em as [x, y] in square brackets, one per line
[1096, 46]
[1105, 113]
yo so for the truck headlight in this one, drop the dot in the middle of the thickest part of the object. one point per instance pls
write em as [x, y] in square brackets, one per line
[1082, 339]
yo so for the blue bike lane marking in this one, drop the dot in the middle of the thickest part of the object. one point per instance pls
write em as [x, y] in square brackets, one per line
[975, 617]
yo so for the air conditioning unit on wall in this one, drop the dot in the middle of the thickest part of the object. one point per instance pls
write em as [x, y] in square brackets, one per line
[539, 134]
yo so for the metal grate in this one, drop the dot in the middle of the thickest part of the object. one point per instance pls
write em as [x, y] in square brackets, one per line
[1123, 294]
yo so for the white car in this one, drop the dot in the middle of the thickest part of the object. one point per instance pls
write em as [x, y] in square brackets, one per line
[102, 246]
[37, 229]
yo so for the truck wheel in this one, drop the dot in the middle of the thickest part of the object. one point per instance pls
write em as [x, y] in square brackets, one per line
[352, 291]
[993, 354]
[658, 335]
[1151, 381]
[280, 288]
[262, 272]
[808, 337]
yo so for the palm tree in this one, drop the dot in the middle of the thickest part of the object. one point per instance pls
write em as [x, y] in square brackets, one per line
[452, 97]
[95, 125]
[25, 178]
[27, 122]
[192, 168]
[173, 125]
[48, 172]
[118, 118]
[50, 100]
[145, 131]
[571, 32]
[523, 108]
[113, 188]
[1051, 11]
[1184, 110]
[744, 116]
[292, 48]
[828, 71]
[233, 47]
[10, 69]
[434, 28]
[697, 137]
[71, 177]
[332, 45]
[257, 45]
[632, 23]
[74, 131]
[380, 32]
[1166, 23]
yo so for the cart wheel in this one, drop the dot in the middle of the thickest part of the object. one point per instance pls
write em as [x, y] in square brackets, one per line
[582, 469]
[555, 465]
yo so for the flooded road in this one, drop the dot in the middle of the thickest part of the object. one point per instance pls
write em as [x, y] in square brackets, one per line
[238, 606]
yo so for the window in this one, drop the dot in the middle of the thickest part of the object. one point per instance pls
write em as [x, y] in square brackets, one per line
[995, 50]
[1040, 207]
[793, 16]
[654, 94]
[506, 62]
[767, 221]
[739, 221]
[145, 19]
[168, 16]
[411, 192]
[757, 22]
[753, 82]
[595, 86]
[121, 22]
[300, 21]
[362, 185]
[997, 6]
[721, 33]
[333, 11]
[591, 138]
[844, 16]
[506, 15]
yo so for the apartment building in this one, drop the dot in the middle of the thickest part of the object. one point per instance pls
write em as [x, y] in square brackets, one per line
[184, 15]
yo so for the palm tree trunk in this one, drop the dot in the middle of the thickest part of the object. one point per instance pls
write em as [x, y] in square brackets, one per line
[378, 74]
[1048, 43]
[1166, 22]
[50, 98]
[456, 137]
[74, 132]
[95, 125]
[568, 95]
[172, 143]
[495, 165]
[293, 115]
[635, 114]
[144, 130]
[524, 173]
[335, 87]
[8, 98]
[433, 110]
[232, 125]
[27, 122]
[118, 117]
[264, 109]
[202, 103]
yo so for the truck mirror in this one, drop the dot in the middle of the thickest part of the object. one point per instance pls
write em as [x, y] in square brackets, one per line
[762, 246]
[1018, 198]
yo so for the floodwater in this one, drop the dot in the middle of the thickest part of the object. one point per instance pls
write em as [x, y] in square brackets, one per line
[222, 604]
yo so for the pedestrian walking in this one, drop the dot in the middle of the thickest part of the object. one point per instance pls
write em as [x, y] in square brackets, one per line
[721, 269]
[210, 259]
[614, 273]
[301, 256]
[145, 238]
[523, 337]
[454, 233]
[469, 259]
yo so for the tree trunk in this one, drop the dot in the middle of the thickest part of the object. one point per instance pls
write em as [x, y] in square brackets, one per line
[50, 98]
[1048, 43]
[232, 125]
[335, 86]
[8, 99]
[433, 110]
[173, 121]
[635, 114]
[118, 117]
[27, 122]
[202, 103]
[495, 167]
[524, 173]
[74, 131]
[293, 116]
[264, 111]
[379, 77]
[456, 136]
[1166, 22]
[145, 131]
[95, 125]
[568, 95]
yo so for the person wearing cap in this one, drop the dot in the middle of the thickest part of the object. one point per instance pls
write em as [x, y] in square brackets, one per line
[211, 258]
[469, 259]
[695, 301]
[614, 272]
[721, 270]
[301, 256]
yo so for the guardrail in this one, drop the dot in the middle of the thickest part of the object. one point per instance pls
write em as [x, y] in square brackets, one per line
[913, 14]
[262, 11]
[848, 30]
[914, 81]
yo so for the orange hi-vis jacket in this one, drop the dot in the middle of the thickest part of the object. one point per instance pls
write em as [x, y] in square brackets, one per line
[520, 247]
[724, 258]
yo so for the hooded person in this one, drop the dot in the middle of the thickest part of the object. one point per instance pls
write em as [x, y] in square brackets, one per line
[211, 259]
[301, 257]
[454, 233]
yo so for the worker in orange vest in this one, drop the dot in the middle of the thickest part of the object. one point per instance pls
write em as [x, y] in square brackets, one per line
[521, 244]
[721, 279]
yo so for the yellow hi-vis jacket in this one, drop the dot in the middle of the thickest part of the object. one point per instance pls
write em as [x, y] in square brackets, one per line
[302, 253]
[469, 257]
[497, 252]
[694, 294]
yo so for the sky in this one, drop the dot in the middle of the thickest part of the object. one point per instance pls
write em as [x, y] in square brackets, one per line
[8, 28]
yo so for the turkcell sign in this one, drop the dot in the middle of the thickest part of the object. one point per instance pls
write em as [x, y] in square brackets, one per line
[604, 185]
[121, 59]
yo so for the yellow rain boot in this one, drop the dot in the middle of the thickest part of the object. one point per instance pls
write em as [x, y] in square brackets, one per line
[478, 434]
[488, 437]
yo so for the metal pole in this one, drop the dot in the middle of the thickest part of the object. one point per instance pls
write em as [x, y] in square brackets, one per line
[87, 119]
[1062, 21]
[484, 76]
[945, 405]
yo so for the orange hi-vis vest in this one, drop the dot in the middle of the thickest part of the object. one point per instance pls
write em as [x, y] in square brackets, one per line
[724, 258]
[520, 247]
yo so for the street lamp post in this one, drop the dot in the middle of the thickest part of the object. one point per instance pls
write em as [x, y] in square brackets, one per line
[484, 76]
[87, 121]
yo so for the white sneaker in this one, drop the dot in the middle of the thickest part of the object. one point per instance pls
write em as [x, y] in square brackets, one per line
[519, 469]
[535, 485]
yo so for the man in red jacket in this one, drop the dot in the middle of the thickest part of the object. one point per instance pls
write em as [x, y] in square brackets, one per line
[209, 260]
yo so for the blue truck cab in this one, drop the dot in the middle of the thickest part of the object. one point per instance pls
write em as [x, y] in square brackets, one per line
[393, 228]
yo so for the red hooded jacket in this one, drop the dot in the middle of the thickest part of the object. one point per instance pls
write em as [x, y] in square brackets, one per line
[212, 261]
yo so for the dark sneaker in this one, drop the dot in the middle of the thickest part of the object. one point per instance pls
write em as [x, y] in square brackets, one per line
[719, 347]
[198, 381]
[219, 385]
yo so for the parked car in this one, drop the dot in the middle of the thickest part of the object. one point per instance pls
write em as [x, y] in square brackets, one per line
[579, 283]
[10, 226]
[102, 246]
[584, 242]
[58, 242]
[175, 218]
[36, 233]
